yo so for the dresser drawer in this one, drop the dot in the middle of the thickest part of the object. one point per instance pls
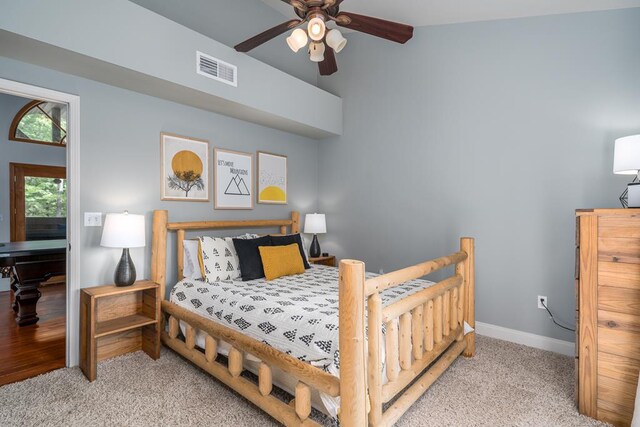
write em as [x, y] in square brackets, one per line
[618, 274]
[618, 249]
[619, 226]
[619, 300]
[615, 399]
[619, 342]
[619, 368]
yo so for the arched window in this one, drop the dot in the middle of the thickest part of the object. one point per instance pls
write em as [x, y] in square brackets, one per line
[40, 122]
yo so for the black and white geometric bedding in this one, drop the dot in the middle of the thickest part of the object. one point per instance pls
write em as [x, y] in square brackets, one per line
[295, 314]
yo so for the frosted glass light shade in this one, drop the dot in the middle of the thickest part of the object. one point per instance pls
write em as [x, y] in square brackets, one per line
[315, 223]
[123, 230]
[297, 40]
[626, 155]
[316, 29]
[316, 51]
[336, 41]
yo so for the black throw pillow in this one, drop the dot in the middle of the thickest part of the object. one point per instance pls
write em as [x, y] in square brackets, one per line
[288, 240]
[249, 256]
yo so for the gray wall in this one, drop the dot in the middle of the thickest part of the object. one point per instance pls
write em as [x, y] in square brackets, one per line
[496, 130]
[18, 152]
[159, 61]
[120, 160]
[233, 21]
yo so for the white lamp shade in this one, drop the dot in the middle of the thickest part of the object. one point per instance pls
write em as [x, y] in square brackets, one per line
[626, 155]
[336, 41]
[316, 51]
[297, 40]
[315, 223]
[123, 230]
[316, 29]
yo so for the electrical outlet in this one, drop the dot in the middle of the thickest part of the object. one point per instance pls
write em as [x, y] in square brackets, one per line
[381, 271]
[546, 302]
[93, 219]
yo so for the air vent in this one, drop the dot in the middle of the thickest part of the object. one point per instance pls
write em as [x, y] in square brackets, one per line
[216, 69]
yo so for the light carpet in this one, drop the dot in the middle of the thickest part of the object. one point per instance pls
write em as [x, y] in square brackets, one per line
[504, 385]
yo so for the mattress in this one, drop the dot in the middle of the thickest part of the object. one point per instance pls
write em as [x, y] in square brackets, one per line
[297, 314]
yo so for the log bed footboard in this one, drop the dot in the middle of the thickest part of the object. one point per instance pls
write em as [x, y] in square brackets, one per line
[424, 335]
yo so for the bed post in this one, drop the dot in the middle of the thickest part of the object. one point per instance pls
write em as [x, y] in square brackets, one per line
[353, 395]
[468, 267]
[159, 250]
[295, 222]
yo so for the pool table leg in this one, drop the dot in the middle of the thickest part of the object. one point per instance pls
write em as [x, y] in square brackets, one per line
[26, 299]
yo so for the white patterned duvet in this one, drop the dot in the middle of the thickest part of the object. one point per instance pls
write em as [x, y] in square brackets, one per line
[296, 314]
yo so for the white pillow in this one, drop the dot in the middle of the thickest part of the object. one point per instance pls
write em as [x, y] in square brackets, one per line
[191, 269]
[305, 248]
[217, 260]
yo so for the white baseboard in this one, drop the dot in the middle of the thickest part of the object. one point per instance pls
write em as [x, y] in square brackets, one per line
[525, 338]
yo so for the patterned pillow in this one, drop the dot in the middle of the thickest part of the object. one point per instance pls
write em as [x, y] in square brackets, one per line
[217, 261]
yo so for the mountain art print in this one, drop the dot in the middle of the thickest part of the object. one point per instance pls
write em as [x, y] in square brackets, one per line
[237, 187]
[185, 175]
[233, 179]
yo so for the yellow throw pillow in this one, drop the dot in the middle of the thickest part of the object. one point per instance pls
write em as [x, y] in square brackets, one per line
[279, 261]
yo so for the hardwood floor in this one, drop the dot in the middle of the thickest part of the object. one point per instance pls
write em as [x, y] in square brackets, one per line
[33, 350]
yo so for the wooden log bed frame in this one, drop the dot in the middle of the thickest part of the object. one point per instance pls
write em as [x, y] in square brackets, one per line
[425, 334]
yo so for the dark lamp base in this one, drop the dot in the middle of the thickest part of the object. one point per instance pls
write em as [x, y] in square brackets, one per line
[125, 274]
[314, 250]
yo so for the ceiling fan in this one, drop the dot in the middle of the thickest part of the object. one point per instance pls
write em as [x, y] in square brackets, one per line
[326, 42]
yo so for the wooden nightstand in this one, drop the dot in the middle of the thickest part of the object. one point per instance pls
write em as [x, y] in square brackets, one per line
[323, 260]
[117, 320]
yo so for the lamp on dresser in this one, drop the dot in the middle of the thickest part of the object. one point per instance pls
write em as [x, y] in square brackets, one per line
[123, 230]
[626, 161]
[315, 223]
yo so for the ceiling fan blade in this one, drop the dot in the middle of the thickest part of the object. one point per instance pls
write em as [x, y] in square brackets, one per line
[331, 3]
[267, 35]
[393, 31]
[329, 65]
[298, 4]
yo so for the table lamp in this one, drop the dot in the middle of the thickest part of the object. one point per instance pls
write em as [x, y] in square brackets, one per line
[315, 223]
[123, 230]
[626, 161]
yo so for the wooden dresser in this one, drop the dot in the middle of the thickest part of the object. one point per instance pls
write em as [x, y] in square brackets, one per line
[608, 313]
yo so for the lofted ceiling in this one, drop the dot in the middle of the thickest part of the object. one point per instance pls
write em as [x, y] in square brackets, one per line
[437, 12]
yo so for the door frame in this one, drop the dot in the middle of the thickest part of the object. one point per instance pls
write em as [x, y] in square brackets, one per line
[73, 204]
[16, 201]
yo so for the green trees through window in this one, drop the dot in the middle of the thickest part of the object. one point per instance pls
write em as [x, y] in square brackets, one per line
[45, 197]
[40, 122]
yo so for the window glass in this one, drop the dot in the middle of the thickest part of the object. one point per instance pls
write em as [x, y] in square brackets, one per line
[45, 208]
[41, 122]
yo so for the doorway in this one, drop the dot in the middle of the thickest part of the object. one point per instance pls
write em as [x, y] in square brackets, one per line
[69, 185]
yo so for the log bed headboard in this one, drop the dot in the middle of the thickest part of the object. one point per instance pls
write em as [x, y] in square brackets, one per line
[161, 226]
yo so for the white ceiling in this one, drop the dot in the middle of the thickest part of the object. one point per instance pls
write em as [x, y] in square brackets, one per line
[436, 12]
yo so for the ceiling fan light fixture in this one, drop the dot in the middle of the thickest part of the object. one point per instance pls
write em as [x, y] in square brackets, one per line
[316, 28]
[316, 51]
[297, 40]
[336, 41]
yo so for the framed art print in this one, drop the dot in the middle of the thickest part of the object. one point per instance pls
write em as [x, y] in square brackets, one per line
[272, 178]
[233, 179]
[184, 164]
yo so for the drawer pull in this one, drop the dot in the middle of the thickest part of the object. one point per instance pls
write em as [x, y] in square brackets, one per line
[612, 324]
